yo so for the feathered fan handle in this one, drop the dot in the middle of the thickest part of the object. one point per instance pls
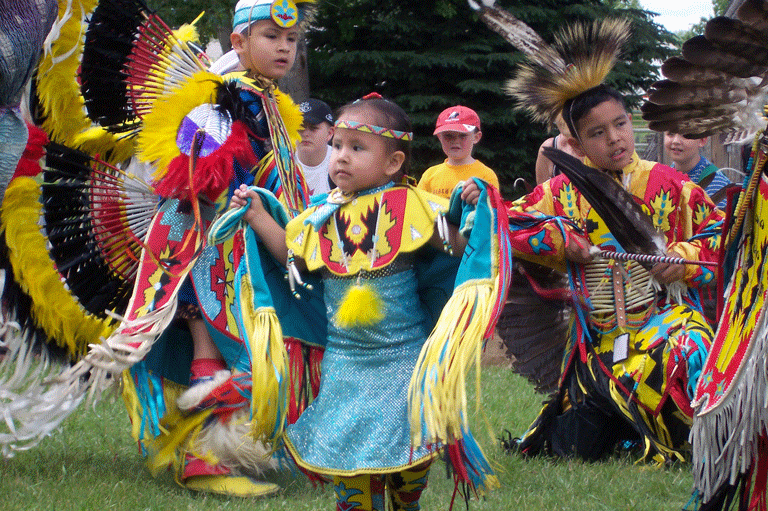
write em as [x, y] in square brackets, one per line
[623, 216]
[518, 34]
[645, 258]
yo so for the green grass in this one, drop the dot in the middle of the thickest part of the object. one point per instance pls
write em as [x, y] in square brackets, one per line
[93, 464]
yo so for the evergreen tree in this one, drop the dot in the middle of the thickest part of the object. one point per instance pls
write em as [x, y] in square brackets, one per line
[427, 56]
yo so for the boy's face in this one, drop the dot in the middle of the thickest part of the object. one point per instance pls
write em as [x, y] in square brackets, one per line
[606, 136]
[458, 145]
[683, 151]
[315, 137]
[266, 49]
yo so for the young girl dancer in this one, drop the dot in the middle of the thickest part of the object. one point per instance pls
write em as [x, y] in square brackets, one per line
[367, 239]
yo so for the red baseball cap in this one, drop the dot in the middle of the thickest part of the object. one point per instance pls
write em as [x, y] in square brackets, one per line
[457, 118]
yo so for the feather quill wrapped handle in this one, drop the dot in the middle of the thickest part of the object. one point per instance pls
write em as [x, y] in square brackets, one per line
[644, 258]
[623, 216]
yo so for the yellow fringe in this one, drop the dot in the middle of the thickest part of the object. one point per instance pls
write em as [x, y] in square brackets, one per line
[437, 391]
[157, 140]
[178, 431]
[269, 368]
[54, 308]
[291, 115]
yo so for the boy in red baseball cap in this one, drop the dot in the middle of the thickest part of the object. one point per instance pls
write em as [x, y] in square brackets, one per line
[458, 129]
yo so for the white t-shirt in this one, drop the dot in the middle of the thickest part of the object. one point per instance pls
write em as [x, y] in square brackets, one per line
[317, 176]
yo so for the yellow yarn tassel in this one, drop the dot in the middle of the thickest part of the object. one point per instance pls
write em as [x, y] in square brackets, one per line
[361, 306]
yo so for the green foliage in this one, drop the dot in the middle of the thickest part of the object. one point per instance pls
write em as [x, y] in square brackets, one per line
[427, 56]
[218, 15]
[93, 464]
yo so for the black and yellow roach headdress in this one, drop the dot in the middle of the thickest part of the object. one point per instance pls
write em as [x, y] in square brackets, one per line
[580, 59]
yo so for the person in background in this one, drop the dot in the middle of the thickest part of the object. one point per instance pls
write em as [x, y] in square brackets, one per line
[686, 158]
[545, 169]
[314, 151]
[458, 129]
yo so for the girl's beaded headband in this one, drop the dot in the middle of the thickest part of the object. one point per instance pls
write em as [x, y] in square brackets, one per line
[375, 130]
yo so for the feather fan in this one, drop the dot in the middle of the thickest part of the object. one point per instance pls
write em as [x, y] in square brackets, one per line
[701, 51]
[623, 216]
[95, 217]
[718, 85]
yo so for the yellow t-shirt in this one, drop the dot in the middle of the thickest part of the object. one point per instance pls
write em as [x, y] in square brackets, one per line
[442, 179]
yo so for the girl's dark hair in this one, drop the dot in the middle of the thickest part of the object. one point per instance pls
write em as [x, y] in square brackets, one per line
[387, 114]
[575, 109]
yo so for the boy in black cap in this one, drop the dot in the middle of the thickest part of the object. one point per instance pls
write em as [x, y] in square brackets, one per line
[313, 151]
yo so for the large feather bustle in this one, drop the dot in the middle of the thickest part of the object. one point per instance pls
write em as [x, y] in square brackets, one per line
[54, 308]
[108, 42]
[721, 75]
[589, 52]
[95, 215]
[63, 113]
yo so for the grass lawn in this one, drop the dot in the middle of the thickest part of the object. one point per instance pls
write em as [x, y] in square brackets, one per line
[93, 464]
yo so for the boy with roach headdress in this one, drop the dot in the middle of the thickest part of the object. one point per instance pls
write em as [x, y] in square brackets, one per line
[637, 339]
[190, 400]
[259, 126]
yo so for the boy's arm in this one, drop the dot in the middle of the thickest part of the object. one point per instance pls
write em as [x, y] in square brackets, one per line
[697, 236]
[539, 232]
[271, 234]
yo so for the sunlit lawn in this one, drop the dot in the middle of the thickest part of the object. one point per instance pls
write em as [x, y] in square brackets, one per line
[92, 463]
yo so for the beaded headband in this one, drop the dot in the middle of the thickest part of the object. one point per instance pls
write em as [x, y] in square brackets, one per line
[375, 130]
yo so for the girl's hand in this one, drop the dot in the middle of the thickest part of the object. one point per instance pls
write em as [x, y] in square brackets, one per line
[470, 193]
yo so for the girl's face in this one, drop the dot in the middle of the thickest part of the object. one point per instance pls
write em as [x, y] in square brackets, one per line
[360, 160]
[266, 49]
[606, 136]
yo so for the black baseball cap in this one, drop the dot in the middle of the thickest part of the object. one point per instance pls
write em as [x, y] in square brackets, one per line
[316, 111]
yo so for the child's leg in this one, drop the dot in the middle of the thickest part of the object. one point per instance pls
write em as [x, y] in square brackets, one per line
[359, 493]
[206, 358]
[404, 488]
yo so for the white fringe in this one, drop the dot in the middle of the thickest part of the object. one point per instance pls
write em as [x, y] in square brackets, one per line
[30, 409]
[724, 439]
[36, 396]
[232, 444]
